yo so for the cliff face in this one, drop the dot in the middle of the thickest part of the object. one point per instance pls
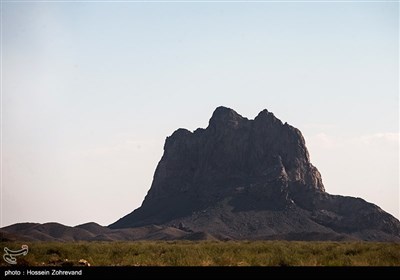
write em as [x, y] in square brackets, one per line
[243, 178]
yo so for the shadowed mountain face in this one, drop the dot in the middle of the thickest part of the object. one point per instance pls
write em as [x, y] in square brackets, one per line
[251, 179]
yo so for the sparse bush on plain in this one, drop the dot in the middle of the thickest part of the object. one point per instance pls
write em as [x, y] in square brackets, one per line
[210, 253]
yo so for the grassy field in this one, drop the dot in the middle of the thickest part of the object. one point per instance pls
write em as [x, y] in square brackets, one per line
[210, 253]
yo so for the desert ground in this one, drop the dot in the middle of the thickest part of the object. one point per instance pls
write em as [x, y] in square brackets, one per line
[208, 253]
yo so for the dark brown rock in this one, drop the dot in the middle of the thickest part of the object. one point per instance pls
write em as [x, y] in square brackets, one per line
[251, 179]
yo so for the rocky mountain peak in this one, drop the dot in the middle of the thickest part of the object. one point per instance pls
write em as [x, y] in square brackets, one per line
[225, 117]
[263, 157]
[238, 177]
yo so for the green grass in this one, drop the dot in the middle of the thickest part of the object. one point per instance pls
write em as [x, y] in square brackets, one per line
[210, 253]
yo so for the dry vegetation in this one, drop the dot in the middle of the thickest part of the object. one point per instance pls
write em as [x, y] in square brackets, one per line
[210, 253]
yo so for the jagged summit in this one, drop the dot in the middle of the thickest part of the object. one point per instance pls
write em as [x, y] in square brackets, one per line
[251, 179]
[223, 112]
[225, 117]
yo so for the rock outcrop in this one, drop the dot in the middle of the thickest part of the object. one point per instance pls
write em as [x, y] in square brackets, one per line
[251, 179]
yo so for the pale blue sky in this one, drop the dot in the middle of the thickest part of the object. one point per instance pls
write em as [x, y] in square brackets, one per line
[91, 90]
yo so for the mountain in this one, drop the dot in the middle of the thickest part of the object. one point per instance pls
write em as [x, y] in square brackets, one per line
[236, 179]
[88, 232]
[251, 179]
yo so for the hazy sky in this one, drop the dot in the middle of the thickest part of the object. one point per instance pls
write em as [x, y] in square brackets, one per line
[90, 91]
